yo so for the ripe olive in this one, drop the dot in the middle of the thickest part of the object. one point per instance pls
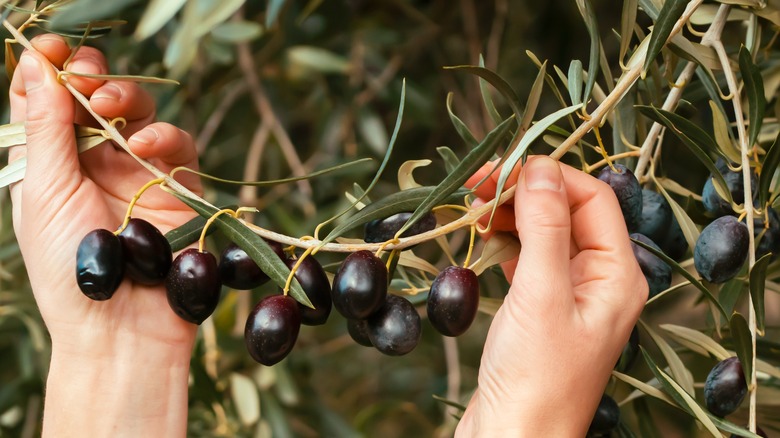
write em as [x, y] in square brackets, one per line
[272, 329]
[360, 285]
[193, 287]
[628, 193]
[315, 284]
[770, 240]
[358, 331]
[674, 244]
[657, 273]
[721, 249]
[99, 264]
[713, 202]
[238, 271]
[147, 252]
[453, 300]
[725, 387]
[395, 329]
[382, 230]
[656, 216]
[606, 417]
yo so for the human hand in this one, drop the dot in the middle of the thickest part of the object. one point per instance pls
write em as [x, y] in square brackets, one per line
[62, 198]
[576, 292]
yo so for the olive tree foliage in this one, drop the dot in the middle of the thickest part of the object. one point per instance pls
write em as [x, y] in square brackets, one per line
[278, 90]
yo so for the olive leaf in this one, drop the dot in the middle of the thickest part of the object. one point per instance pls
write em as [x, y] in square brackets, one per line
[754, 89]
[681, 374]
[189, 232]
[533, 100]
[405, 173]
[743, 343]
[721, 131]
[450, 159]
[455, 179]
[487, 98]
[246, 398]
[501, 247]
[696, 341]
[254, 245]
[460, 127]
[627, 22]
[155, 16]
[644, 387]
[448, 402]
[496, 81]
[757, 286]
[589, 15]
[768, 168]
[670, 12]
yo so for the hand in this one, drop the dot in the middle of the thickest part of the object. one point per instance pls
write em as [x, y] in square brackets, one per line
[576, 293]
[61, 199]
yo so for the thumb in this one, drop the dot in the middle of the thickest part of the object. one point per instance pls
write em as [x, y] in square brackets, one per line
[52, 157]
[543, 220]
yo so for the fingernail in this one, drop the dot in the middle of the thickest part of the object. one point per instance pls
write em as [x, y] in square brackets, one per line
[146, 136]
[543, 173]
[32, 74]
[48, 38]
[110, 92]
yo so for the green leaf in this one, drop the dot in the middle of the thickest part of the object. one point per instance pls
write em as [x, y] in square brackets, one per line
[460, 127]
[317, 59]
[254, 245]
[189, 233]
[684, 399]
[682, 271]
[688, 227]
[768, 168]
[82, 11]
[449, 402]
[754, 89]
[694, 138]
[720, 129]
[450, 159]
[757, 286]
[237, 31]
[13, 172]
[533, 100]
[272, 12]
[743, 344]
[454, 180]
[156, 14]
[529, 137]
[676, 365]
[487, 99]
[696, 340]
[627, 22]
[587, 12]
[498, 82]
[397, 202]
[670, 12]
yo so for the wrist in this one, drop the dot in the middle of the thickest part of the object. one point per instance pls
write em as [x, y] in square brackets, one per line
[131, 390]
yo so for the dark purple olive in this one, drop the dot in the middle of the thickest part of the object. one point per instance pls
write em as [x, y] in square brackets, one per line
[656, 216]
[395, 329]
[360, 285]
[147, 252]
[99, 264]
[358, 331]
[630, 352]
[193, 286]
[382, 230]
[315, 284]
[721, 249]
[713, 202]
[657, 273]
[607, 416]
[453, 300]
[770, 239]
[272, 329]
[628, 193]
[674, 244]
[725, 387]
[238, 271]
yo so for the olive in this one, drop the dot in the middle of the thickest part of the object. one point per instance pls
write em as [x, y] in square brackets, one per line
[656, 216]
[770, 240]
[396, 328]
[272, 329]
[382, 230]
[607, 416]
[315, 284]
[453, 300]
[237, 269]
[358, 331]
[713, 202]
[147, 252]
[628, 193]
[725, 387]
[360, 285]
[99, 264]
[657, 273]
[721, 249]
[193, 287]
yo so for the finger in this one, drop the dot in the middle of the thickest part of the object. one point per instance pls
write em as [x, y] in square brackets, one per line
[53, 47]
[52, 159]
[544, 228]
[487, 190]
[503, 219]
[87, 60]
[123, 99]
[168, 147]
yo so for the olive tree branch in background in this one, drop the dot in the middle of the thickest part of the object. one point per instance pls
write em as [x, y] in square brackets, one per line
[675, 94]
[744, 147]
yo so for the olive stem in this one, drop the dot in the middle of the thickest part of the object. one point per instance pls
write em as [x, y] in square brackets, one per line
[472, 234]
[202, 240]
[295, 269]
[731, 81]
[133, 201]
[603, 150]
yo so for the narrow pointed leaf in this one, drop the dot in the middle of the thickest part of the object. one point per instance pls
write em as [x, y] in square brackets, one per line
[686, 334]
[754, 89]
[533, 99]
[470, 164]
[487, 98]
[589, 15]
[460, 127]
[156, 14]
[670, 12]
[450, 159]
[743, 344]
[681, 374]
[498, 82]
[757, 286]
[13, 172]
[645, 387]
[768, 168]
[627, 22]
[254, 245]
[189, 233]
[449, 402]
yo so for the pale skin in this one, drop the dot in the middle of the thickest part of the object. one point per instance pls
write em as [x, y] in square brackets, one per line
[576, 291]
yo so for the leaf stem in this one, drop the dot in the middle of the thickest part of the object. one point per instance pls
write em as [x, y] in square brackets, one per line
[135, 199]
[202, 240]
